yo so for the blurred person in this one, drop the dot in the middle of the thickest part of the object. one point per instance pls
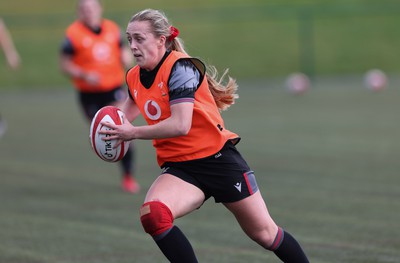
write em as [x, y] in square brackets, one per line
[12, 57]
[94, 56]
[181, 103]
[7, 45]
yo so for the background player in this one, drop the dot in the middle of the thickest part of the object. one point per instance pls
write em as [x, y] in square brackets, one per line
[12, 57]
[94, 57]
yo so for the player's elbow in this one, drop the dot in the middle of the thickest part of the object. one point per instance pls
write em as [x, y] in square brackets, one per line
[63, 67]
[182, 129]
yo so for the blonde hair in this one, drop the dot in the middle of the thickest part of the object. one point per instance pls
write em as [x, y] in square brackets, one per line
[224, 94]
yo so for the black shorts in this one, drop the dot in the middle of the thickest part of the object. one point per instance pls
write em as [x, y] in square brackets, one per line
[225, 175]
[92, 102]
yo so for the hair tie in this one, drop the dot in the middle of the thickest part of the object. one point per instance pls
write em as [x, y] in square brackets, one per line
[174, 33]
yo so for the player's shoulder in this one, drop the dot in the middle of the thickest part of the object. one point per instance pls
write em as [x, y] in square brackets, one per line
[189, 63]
[109, 23]
[134, 70]
[74, 27]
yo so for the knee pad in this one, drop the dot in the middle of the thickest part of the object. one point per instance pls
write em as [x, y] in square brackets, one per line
[156, 218]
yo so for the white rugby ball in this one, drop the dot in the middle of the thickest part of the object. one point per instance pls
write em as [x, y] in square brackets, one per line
[298, 83]
[105, 148]
[375, 80]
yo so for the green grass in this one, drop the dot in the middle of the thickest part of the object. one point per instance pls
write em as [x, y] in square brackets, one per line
[255, 39]
[327, 164]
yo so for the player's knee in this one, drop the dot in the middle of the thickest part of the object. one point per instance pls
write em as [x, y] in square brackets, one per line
[267, 238]
[156, 218]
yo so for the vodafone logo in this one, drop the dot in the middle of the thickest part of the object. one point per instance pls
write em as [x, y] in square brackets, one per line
[152, 109]
[101, 51]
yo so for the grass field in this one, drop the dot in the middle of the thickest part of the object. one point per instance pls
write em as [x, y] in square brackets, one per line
[326, 162]
[254, 38]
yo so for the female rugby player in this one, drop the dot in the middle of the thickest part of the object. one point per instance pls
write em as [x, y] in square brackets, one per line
[181, 104]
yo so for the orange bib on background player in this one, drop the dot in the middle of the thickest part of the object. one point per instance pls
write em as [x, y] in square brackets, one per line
[100, 53]
[207, 134]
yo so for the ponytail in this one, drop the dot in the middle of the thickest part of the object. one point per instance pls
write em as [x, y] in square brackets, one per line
[224, 94]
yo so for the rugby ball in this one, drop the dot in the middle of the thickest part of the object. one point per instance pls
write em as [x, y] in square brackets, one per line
[375, 80]
[298, 83]
[105, 148]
